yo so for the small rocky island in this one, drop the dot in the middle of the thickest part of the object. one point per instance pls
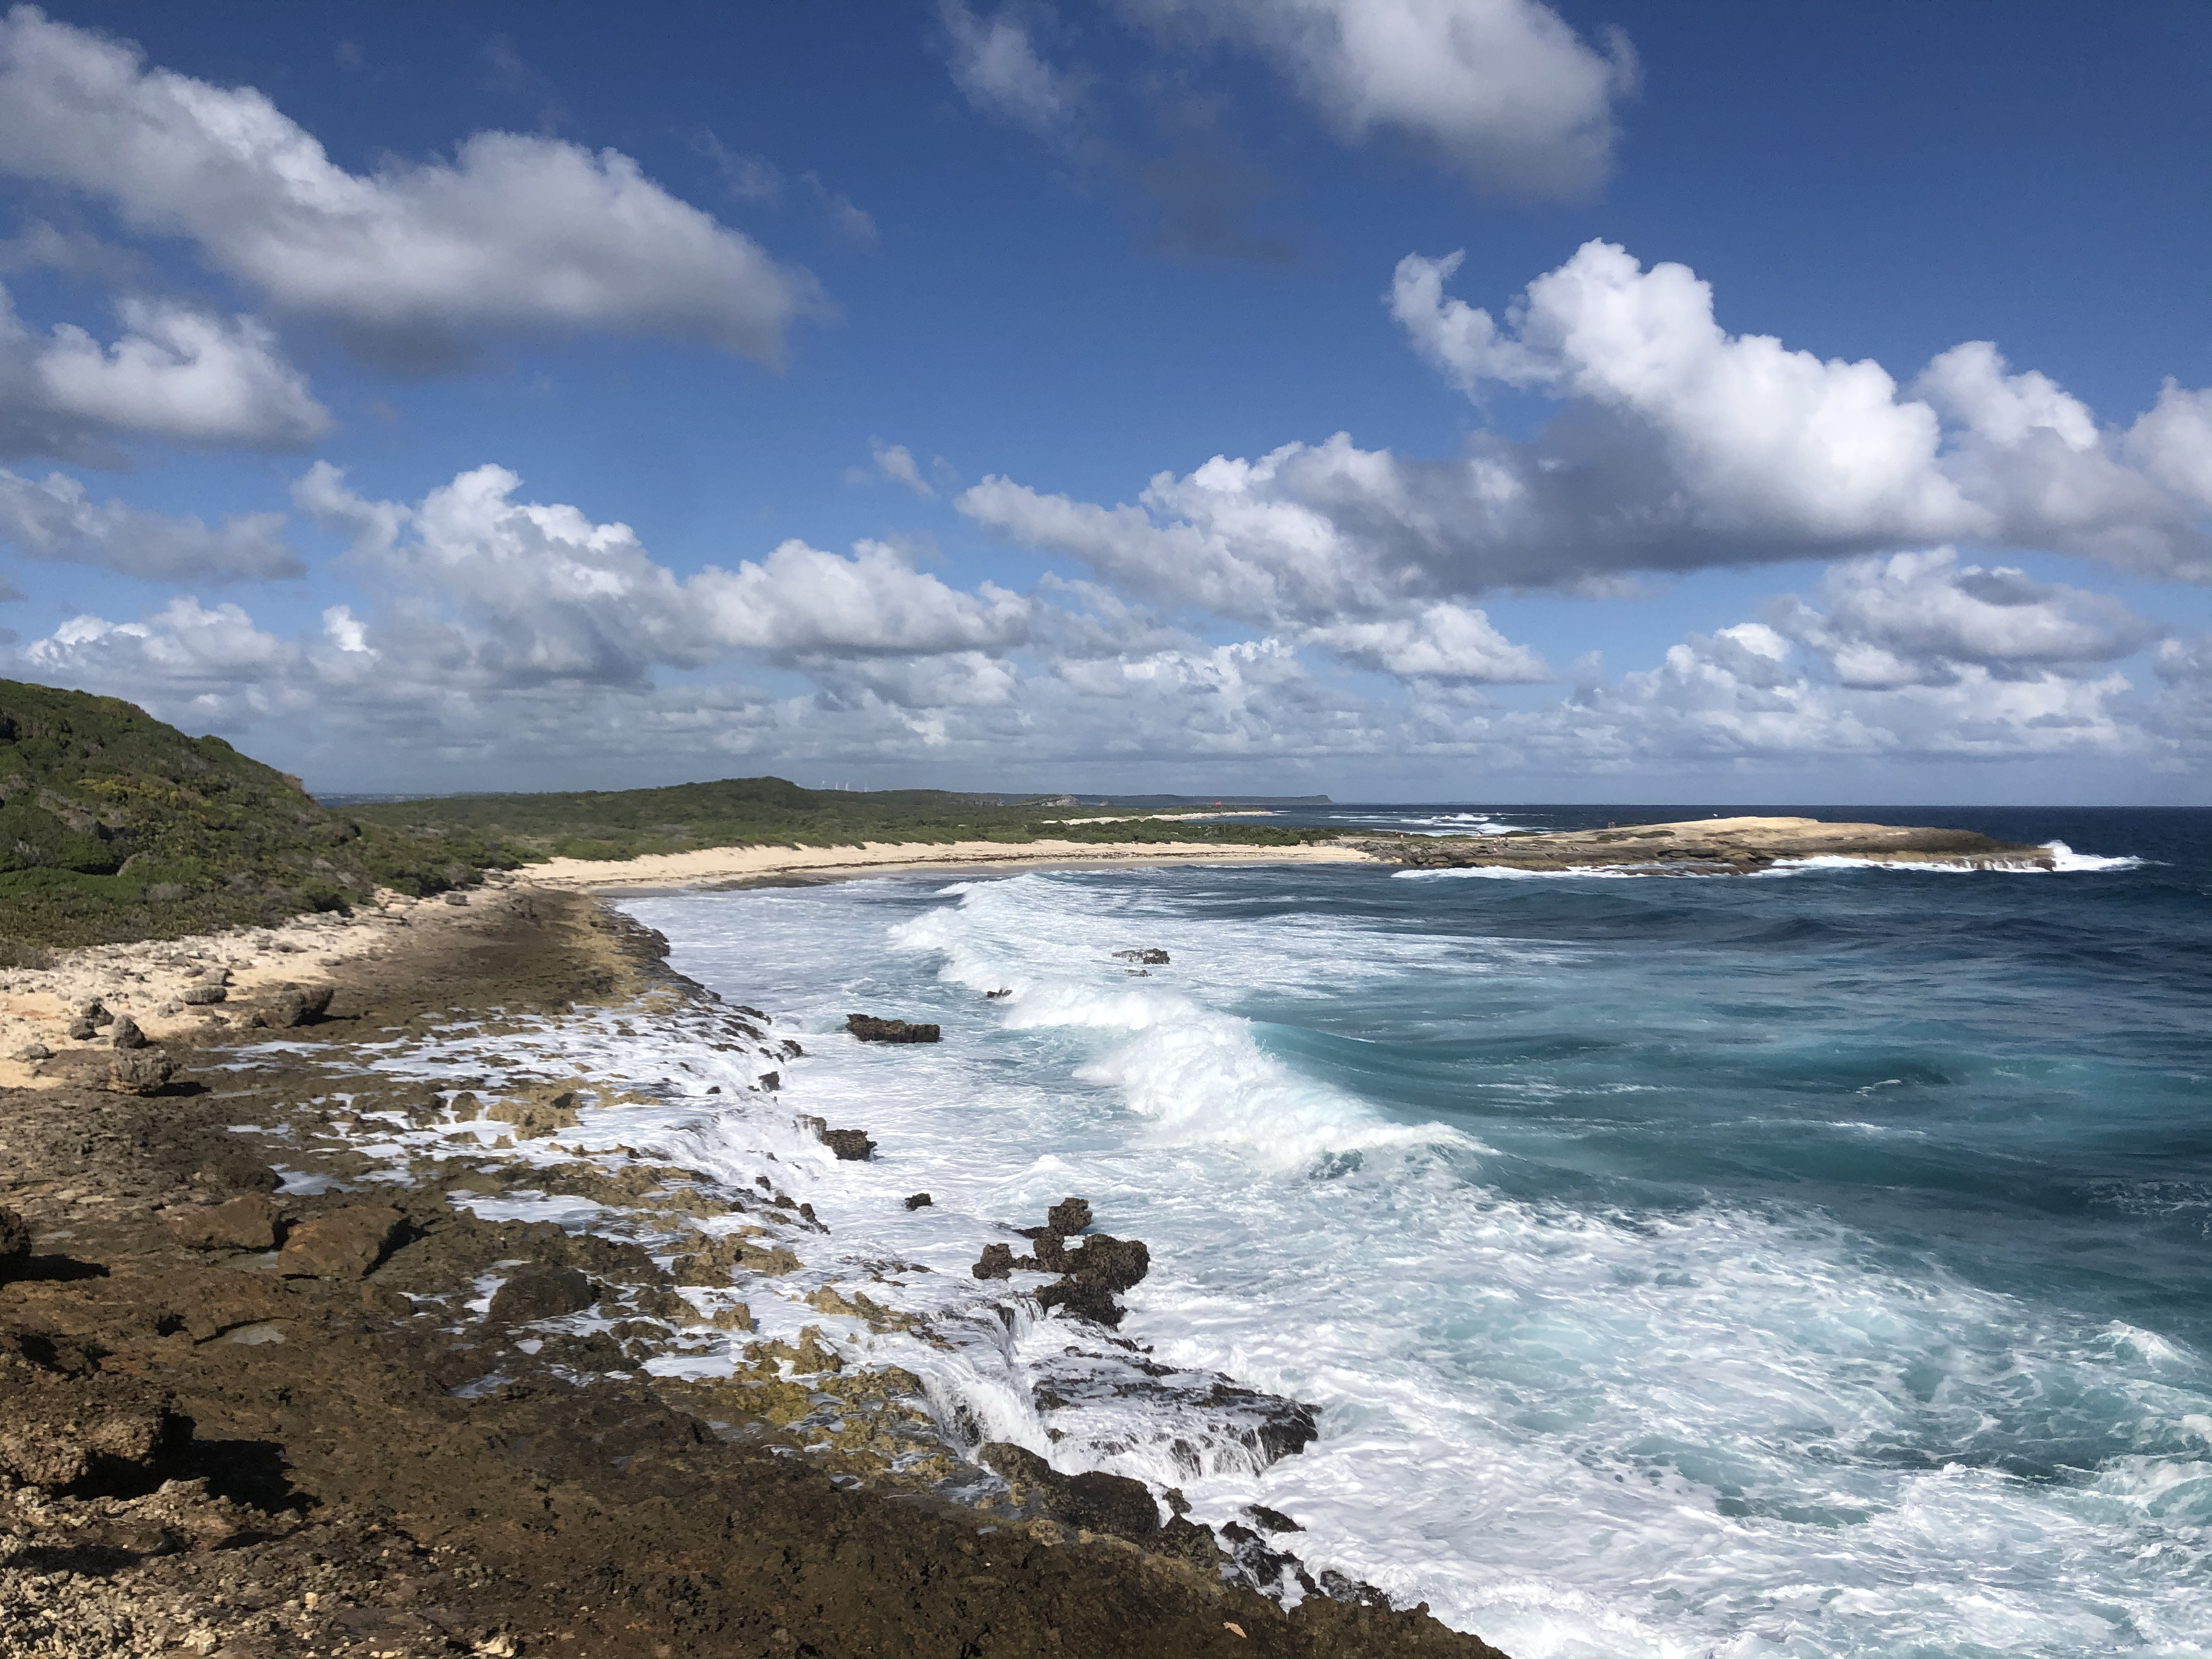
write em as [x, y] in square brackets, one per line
[1709, 846]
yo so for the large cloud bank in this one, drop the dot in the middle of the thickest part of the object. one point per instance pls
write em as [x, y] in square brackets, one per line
[516, 634]
[1677, 446]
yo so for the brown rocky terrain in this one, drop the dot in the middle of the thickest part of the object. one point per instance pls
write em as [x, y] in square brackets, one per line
[1707, 847]
[242, 1415]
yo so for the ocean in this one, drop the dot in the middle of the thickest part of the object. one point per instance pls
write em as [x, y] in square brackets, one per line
[1813, 1263]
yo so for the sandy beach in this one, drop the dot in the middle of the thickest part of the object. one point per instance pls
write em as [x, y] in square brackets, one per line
[149, 979]
[713, 865]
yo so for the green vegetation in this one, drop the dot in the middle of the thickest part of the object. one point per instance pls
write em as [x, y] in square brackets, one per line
[768, 812]
[114, 826]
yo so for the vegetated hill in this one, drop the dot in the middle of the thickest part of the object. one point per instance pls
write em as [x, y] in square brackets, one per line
[114, 826]
[768, 811]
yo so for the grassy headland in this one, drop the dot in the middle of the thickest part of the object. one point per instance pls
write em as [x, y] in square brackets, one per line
[114, 826]
[772, 812]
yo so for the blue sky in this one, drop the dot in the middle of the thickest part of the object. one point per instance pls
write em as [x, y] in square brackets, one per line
[1467, 400]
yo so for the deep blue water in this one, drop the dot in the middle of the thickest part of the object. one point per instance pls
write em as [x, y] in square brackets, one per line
[2009, 1075]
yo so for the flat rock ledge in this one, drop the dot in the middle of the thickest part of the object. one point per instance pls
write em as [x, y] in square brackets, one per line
[1709, 846]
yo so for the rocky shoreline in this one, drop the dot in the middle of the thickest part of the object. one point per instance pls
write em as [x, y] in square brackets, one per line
[368, 1331]
[1709, 846]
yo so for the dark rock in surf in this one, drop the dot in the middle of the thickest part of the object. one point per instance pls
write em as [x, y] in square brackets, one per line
[852, 1145]
[1069, 1217]
[918, 1201]
[997, 1262]
[1047, 1255]
[1084, 1297]
[868, 1028]
[1153, 958]
[1116, 1263]
[1092, 1273]
[1253, 1560]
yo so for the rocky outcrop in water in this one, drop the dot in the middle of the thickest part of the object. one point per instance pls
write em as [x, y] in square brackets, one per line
[1708, 847]
[1090, 1274]
[868, 1028]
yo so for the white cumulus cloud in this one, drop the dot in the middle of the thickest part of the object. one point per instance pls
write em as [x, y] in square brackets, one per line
[57, 518]
[514, 232]
[187, 374]
[177, 372]
[1759, 437]
[1924, 618]
[1503, 91]
[519, 592]
[1438, 641]
[1677, 446]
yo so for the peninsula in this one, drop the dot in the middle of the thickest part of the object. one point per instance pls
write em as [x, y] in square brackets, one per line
[1709, 846]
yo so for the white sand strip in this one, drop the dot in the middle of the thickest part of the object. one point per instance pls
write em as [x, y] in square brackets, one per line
[708, 865]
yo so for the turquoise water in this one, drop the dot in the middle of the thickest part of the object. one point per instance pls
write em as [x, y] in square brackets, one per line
[1812, 1264]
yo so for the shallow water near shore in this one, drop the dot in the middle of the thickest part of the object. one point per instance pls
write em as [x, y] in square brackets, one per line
[1809, 1264]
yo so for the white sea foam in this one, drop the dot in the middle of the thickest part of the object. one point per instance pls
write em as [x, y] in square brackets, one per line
[2065, 861]
[1499, 872]
[1713, 1432]
[2068, 861]
[1442, 824]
